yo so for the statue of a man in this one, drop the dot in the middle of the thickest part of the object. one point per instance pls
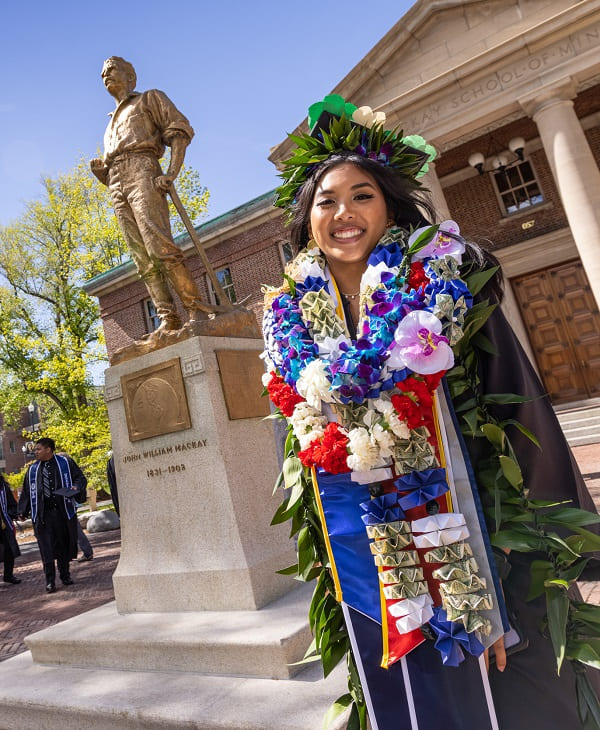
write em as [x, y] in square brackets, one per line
[134, 141]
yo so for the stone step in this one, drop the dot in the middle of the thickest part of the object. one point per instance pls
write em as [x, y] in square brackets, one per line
[33, 696]
[578, 421]
[581, 425]
[263, 643]
[583, 440]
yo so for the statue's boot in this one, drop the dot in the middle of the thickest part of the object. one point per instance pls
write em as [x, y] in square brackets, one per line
[197, 309]
[163, 302]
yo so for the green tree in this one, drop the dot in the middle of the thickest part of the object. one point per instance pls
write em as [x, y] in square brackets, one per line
[50, 331]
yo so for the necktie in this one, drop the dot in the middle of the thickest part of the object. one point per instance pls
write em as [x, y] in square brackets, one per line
[46, 480]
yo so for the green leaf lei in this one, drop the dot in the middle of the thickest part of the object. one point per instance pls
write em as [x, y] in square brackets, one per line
[515, 521]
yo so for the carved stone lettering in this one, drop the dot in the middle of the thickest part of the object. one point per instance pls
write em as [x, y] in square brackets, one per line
[506, 77]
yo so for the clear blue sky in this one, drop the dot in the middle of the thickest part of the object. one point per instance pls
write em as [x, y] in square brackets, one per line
[244, 73]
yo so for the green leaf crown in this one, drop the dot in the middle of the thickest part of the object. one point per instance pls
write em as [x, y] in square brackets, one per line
[339, 126]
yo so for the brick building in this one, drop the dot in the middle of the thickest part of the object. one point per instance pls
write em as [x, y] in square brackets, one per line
[508, 91]
[15, 450]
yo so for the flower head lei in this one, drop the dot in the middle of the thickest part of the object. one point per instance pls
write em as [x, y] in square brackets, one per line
[339, 126]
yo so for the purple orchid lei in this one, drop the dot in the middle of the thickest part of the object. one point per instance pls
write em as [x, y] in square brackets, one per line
[402, 330]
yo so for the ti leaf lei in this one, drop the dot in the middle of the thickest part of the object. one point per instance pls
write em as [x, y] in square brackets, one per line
[516, 523]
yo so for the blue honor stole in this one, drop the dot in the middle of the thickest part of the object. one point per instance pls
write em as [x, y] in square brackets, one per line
[66, 482]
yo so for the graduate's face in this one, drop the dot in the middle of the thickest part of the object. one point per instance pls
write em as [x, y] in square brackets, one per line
[43, 453]
[348, 215]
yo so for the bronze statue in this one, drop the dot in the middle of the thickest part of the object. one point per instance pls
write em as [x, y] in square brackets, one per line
[134, 141]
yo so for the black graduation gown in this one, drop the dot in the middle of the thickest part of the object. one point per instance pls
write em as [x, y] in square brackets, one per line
[530, 678]
[8, 541]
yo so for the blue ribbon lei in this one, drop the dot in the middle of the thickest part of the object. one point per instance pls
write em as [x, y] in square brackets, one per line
[452, 638]
[423, 486]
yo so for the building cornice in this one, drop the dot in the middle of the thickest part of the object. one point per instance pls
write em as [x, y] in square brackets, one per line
[537, 253]
[413, 108]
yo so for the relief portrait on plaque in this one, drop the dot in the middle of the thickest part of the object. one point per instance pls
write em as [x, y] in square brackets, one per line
[155, 401]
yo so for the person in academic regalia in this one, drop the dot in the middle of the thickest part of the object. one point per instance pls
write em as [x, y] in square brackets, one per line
[52, 487]
[9, 548]
[358, 345]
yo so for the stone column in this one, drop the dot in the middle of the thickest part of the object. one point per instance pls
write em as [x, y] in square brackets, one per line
[431, 181]
[574, 169]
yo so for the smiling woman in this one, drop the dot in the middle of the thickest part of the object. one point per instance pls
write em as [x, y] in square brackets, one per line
[372, 352]
[347, 219]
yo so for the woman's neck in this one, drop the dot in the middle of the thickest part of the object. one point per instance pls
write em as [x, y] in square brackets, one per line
[347, 277]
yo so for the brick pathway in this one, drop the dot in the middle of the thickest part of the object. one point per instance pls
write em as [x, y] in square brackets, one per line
[26, 608]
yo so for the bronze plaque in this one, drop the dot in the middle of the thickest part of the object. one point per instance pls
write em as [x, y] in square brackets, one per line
[241, 372]
[155, 401]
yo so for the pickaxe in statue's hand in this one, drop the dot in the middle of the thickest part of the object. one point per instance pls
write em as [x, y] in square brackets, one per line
[225, 304]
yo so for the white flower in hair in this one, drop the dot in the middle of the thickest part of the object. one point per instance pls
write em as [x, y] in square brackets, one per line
[367, 117]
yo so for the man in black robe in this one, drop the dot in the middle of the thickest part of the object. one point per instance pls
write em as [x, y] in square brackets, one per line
[9, 548]
[51, 486]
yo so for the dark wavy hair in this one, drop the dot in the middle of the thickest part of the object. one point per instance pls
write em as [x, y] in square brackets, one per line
[407, 204]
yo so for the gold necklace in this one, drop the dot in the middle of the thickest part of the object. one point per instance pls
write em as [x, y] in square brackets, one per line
[349, 296]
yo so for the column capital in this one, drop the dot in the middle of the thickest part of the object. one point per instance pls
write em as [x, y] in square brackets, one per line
[535, 101]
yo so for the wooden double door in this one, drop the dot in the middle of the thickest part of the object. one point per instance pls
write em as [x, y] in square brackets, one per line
[562, 319]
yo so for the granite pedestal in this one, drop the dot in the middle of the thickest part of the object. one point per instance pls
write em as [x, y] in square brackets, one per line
[196, 504]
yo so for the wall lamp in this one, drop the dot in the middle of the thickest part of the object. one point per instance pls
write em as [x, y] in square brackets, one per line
[499, 162]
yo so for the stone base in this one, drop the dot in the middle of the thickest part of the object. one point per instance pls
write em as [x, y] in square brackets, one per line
[206, 670]
[240, 322]
[196, 503]
[262, 643]
[36, 697]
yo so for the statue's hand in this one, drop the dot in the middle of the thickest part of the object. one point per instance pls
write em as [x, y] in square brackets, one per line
[164, 182]
[100, 170]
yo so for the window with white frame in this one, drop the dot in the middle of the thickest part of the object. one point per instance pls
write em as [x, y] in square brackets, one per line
[152, 318]
[286, 251]
[518, 188]
[226, 282]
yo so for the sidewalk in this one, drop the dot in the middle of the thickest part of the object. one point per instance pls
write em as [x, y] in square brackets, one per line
[26, 608]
